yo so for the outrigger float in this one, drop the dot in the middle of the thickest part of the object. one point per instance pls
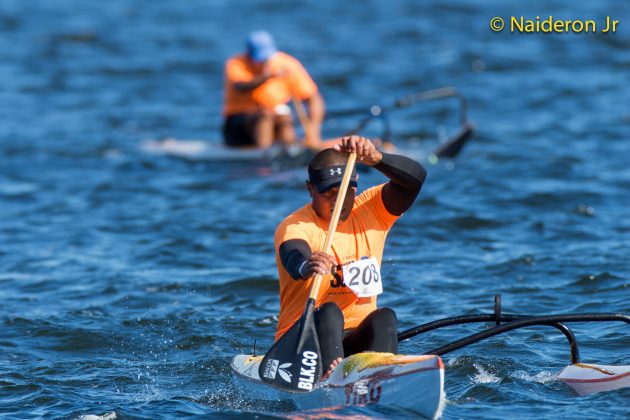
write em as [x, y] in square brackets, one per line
[416, 382]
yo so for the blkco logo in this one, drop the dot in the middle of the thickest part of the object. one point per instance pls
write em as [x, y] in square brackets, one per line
[307, 375]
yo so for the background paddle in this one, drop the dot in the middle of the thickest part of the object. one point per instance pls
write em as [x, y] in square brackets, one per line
[302, 116]
[294, 362]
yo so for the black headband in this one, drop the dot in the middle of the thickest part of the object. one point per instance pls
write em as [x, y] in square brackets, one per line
[330, 177]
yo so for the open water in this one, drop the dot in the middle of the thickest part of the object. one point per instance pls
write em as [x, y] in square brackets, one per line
[128, 280]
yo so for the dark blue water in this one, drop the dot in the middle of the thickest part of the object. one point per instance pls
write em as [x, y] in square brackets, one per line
[129, 280]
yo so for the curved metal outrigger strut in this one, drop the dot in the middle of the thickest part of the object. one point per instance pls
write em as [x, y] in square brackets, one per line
[511, 322]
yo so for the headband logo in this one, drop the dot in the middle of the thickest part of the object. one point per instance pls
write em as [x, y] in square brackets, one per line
[334, 171]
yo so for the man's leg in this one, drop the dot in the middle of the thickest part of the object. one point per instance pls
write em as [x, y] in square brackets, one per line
[264, 129]
[377, 332]
[284, 129]
[329, 326]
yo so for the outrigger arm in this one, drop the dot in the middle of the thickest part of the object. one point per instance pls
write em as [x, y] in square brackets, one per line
[450, 149]
[509, 322]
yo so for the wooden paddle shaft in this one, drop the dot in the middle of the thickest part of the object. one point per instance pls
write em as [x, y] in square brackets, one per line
[332, 227]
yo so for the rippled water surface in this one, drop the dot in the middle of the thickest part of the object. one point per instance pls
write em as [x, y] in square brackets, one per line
[128, 280]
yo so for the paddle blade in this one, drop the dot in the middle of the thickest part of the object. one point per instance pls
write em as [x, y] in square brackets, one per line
[453, 146]
[294, 362]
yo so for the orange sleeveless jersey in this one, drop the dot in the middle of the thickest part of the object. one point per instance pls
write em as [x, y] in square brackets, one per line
[363, 234]
[275, 91]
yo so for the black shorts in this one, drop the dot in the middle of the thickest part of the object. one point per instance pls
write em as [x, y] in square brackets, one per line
[238, 130]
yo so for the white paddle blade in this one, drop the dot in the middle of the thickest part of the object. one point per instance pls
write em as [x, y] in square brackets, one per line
[590, 378]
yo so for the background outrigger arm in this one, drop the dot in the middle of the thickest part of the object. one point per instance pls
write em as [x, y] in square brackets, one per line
[449, 149]
[584, 378]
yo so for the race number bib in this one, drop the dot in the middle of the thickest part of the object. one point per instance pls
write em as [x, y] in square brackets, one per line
[363, 277]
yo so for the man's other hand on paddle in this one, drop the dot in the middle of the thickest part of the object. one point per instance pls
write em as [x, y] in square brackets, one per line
[363, 147]
[318, 263]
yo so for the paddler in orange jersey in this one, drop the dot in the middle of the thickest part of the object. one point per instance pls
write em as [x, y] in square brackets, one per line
[346, 317]
[259, 84]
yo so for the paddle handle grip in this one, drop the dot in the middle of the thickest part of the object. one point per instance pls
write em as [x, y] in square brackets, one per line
[334, 220]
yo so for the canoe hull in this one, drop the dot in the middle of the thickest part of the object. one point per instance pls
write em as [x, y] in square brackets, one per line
[202, 150]
[411, 382]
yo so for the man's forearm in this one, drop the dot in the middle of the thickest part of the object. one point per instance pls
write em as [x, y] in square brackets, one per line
[252, 84]
[403, 171]
[293, 254]
[406, 179]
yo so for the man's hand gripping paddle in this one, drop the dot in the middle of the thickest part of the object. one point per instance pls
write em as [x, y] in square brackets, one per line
[294, 362]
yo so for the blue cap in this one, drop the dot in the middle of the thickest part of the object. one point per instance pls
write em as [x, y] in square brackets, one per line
[260, 46]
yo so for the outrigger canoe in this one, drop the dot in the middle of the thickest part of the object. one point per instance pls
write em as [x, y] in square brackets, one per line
[216, 151]
[415, 383]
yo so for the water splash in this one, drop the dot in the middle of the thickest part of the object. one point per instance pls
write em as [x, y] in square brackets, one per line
[484, 376]
[106, 416]
[540, 377]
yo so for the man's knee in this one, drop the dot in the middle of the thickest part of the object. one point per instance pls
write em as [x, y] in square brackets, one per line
[385, 320]
[330, 309]
[283, 119]
[261, 118]
[264, 114]
[329, 315]
[386, 331]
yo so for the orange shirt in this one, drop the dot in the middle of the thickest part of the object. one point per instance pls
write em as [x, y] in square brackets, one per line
[275, 91]
[363, 234]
